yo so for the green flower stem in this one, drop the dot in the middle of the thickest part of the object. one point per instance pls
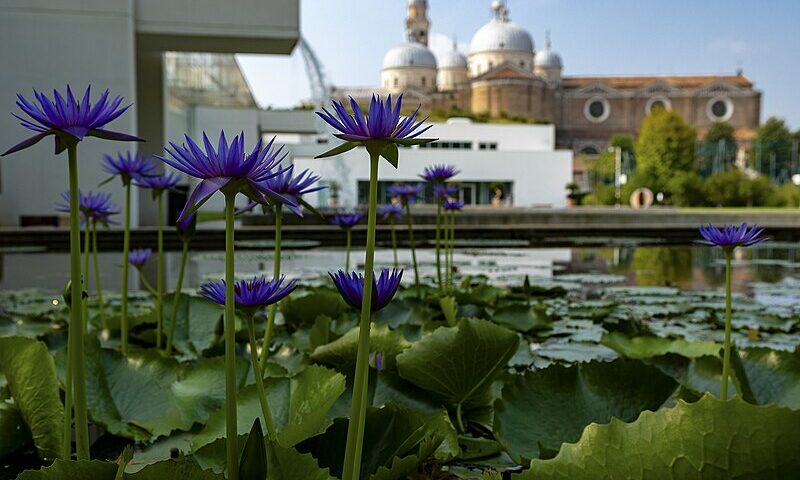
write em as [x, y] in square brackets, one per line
[358, 406]
[394, 243]
[276, 273]
[86, 252]
[459, 420]
[347, 258]
[452, 244]
[160, 271]
[259, 377]
[95, 256]
[76, 322]
[446, 245]
[726, 358]
[176, 297]
[147, 286]
[126, 246]
[231, 443]
[438, 244]
[413, 248]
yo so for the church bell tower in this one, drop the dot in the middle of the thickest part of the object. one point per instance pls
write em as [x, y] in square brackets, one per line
[417, 23]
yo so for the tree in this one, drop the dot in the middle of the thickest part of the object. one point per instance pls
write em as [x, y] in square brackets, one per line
[666, 146]
[735, 189]
[720, 131]
[772, 148]
[687, 189]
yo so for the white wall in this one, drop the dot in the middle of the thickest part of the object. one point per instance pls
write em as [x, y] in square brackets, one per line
[45, 45]
[538, 177]
[509, 137]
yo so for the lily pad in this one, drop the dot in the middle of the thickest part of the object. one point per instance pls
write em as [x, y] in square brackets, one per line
[458, 364]
[342, 352]
[707, 439]
[646, 347]
[31, 375]
[545, 408]
[299, 406]
[396, 441]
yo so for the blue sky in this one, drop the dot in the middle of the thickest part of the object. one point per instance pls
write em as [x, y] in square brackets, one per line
[593, 37]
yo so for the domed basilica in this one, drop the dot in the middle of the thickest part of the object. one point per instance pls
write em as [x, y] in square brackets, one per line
[505, 76]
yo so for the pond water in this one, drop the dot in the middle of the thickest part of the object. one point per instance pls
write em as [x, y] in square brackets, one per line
[686, 267]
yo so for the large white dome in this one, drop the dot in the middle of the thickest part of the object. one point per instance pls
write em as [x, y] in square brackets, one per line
[451, 59]
[409, 55]
[501, 33]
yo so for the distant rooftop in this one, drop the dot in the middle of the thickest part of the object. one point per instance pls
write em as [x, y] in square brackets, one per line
[639, 81]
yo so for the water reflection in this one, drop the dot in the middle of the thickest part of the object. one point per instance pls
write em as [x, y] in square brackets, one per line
[686, 267]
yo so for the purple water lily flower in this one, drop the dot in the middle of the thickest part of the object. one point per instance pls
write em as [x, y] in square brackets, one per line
[346, 221]
[391, 210]
[139, 256]
[383, 121]
[407, 193]
[452, 205]
[439, 173]
[187, 226]
[69, 120]
[441, 190]
[159, 183]
[130, 166]
[731, 236]
[227, 169]
[351, 287]
[249, 294]
[94, 205]
[294, 186]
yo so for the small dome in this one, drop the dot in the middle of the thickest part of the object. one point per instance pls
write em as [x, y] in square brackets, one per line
[547, 57]
[501, 33]
[409, 55]
[451, 59]
[417, 2]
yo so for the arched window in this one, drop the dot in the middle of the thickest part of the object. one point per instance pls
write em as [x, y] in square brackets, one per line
[396, 81]
[424, 81]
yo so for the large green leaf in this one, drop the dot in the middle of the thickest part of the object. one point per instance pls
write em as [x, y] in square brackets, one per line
[396, 441]
[646, 347]
[520, 316]
[542, 409]
[183, 468]
[700, 375]
[709, 439]
[146, 394]
[198, 322]
[301, 310]
[299, 406]
[14, 433]
[31, 375]
[767, 376]
[341, 353]
[458, 364]
[288, 464]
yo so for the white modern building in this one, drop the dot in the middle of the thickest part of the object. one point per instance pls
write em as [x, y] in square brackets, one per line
[120, 45]
[518, 161]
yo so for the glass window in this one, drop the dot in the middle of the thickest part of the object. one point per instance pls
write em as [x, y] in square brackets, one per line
[719, 109]
[597, 109]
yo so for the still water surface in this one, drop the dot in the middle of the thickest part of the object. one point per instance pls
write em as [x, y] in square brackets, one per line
[687, 267]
